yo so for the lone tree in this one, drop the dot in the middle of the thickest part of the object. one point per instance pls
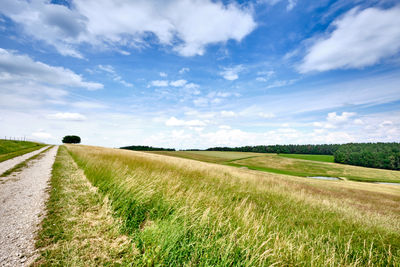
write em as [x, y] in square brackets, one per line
[71, 139]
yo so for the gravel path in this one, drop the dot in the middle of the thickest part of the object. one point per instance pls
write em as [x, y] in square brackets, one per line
[8, 164]
[22, 203]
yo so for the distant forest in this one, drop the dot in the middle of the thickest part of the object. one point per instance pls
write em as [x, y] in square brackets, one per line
[147, 148]
[284, 149]
[374, 155]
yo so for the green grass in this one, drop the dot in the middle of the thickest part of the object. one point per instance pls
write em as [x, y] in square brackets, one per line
[181, 212]
[10, 149]
[23, 164]
[289, 164]
[322, 158]
[79, 229]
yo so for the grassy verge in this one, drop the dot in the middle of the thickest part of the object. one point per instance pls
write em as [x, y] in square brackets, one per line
[23, 164]
[181, 212]
[321, 158]
[11, 149]
[79, 229]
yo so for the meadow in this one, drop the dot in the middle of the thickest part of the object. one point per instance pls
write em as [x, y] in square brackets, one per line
[291, 164]
[10, 149]
[178, 211]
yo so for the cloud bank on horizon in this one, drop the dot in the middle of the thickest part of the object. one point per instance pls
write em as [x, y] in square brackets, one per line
[200, 73]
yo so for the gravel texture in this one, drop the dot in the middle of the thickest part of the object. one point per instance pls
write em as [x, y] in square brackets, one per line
[8, 164]
[22, 204]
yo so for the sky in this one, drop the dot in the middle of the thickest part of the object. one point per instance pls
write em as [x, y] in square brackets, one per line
[199, 73]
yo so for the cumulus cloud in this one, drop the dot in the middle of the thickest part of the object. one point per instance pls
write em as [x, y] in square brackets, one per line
[159, 83]
[231, 73]
[333, 117]
[67, 116]
[178, 83]
[187, 26]
[183, 70]
[15, 67]
[191, 123]
[163, 74]
[360, 38]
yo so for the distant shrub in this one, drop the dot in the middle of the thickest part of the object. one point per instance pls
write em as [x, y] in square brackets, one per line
[71, 139]
[147, 148]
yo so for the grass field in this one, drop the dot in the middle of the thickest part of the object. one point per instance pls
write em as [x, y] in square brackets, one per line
[322, 158]
[184, 212]
[10, 149]
[302, 165]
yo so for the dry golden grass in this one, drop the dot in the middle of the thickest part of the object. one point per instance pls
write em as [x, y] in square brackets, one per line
[182, 211]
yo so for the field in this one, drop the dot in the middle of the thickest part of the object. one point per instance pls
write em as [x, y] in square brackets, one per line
[322, 158]
[10, 149]
[175, 211]
[299, 165]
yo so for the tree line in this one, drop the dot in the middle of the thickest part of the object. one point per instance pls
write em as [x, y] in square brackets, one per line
[374, 155]
[323, 149]
[147, 148]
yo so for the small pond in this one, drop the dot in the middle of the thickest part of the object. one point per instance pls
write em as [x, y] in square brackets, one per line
[323, 177]
[388, 183]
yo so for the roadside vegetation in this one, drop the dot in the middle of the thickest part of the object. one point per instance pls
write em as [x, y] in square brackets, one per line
[79, 229]
[10, 149]
[185, 212]
[296, 165]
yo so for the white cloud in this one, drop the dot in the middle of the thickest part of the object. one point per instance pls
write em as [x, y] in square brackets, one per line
[360, 39]
[224, 127]
[231, 73]
[358, 122]
[191, 123]
[21, 68]
[226, 113]
[188, 26]
[290, 3]
[163, 74]
[266, 115]
[201, 101]
[67, 116]
[159, 83]
[333, 117]
[178, 83]
[88, 105]
[109, 69]
[264, 76]
[42, 135]
[281, 83]
[183, 70]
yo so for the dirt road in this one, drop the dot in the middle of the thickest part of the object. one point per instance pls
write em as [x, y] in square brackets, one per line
[8, 164]
[22, 203]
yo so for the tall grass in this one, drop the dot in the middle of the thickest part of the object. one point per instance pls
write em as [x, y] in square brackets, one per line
[182, 212]
[10, 148]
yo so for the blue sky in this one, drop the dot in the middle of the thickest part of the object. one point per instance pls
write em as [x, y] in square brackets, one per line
[200, 73]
